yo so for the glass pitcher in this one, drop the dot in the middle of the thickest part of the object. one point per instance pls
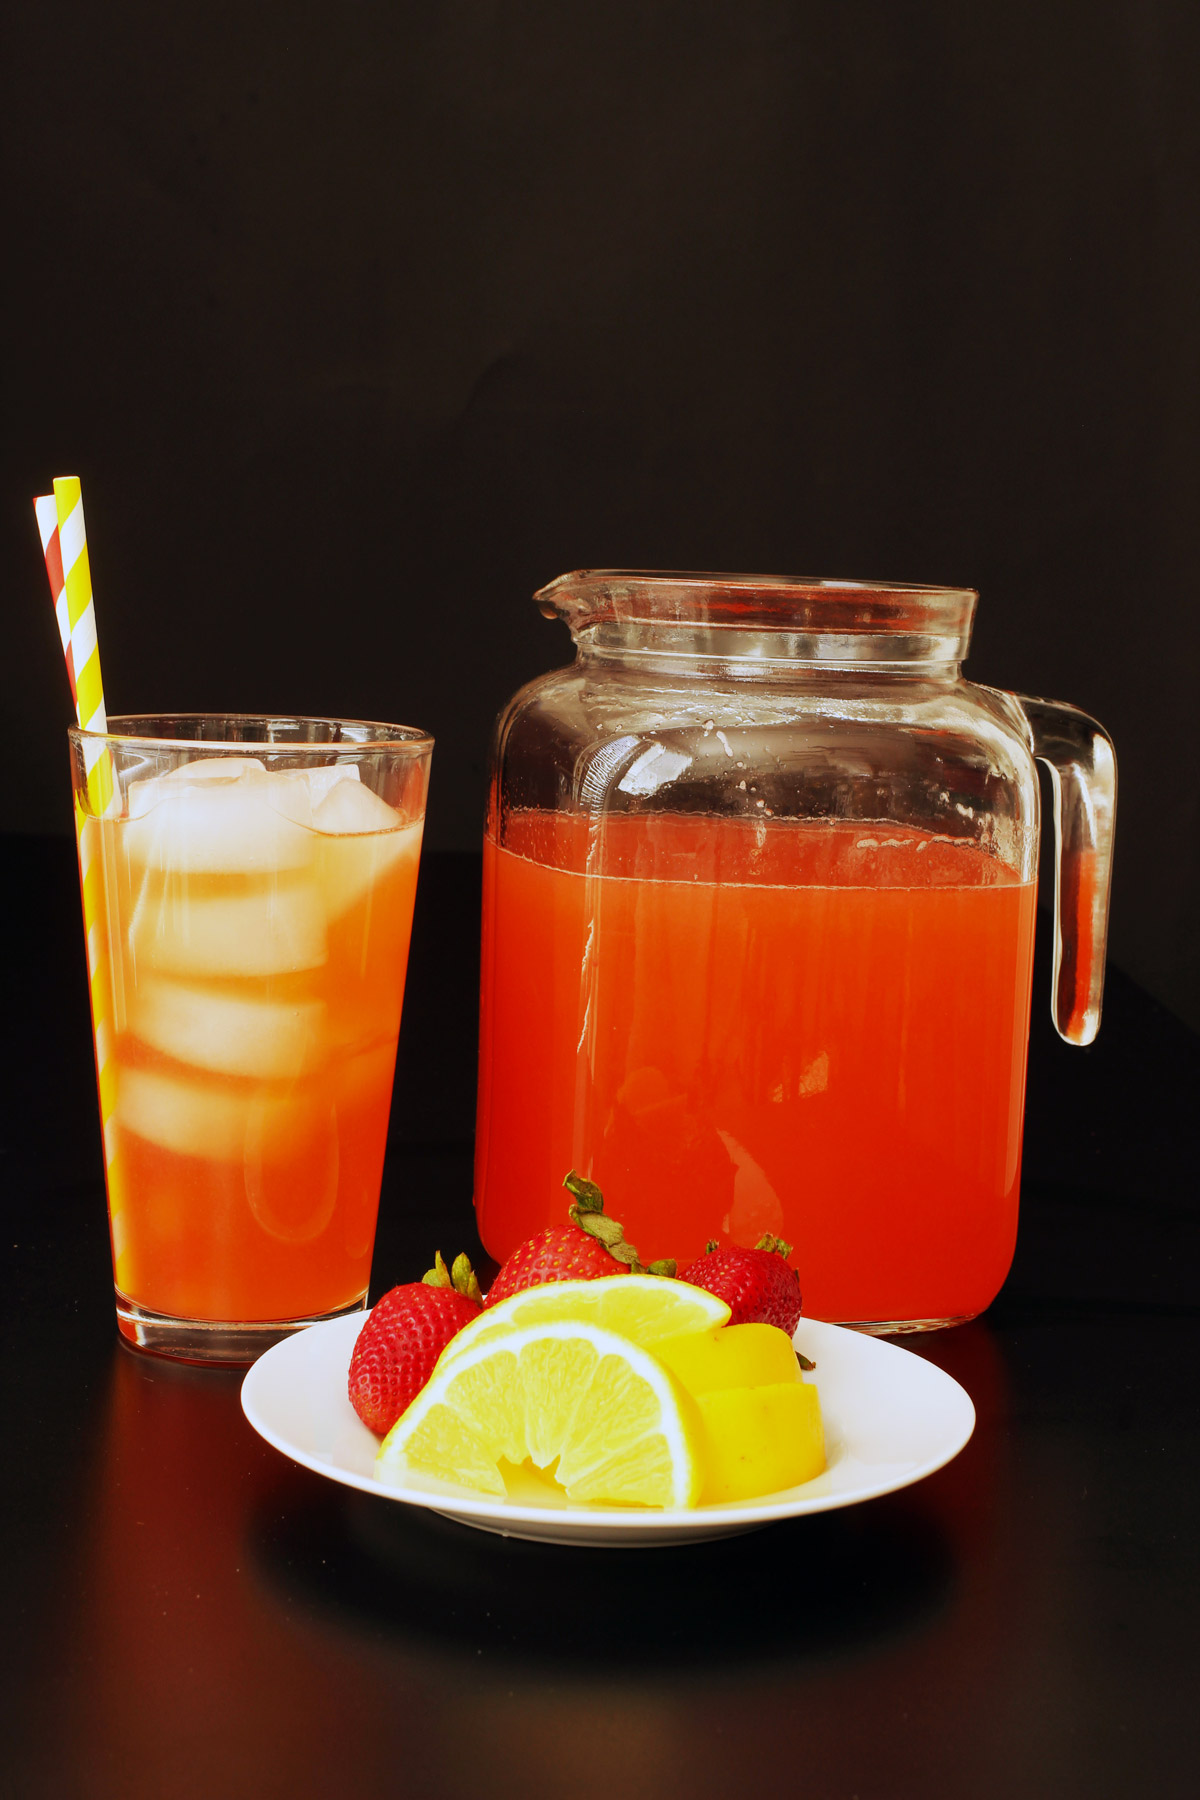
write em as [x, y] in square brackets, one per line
[759, 887]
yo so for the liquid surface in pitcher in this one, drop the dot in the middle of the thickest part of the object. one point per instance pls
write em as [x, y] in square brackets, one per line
[816, 1029]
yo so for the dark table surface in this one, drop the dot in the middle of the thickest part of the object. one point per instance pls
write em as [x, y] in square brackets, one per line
[189, 1614]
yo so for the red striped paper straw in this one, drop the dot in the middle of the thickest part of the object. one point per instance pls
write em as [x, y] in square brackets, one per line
[47, 518]
[64, 546]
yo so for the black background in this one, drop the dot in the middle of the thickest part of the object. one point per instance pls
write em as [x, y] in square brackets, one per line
[360, 321]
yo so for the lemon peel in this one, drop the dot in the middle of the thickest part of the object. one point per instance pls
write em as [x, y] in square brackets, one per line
[643, 1308]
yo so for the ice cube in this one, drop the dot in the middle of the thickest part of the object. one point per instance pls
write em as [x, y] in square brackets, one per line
[283, 1138]
[228, 1033]
[320, 781]
[192, 1118]
[216, 768]
[268, 928]
[361, 836]
[142, 796]
[213, 827]
[351, 864]
[286, 792]
[296, 793]
[352, 807]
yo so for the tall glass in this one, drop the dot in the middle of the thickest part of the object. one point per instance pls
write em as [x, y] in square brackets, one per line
[248, 897]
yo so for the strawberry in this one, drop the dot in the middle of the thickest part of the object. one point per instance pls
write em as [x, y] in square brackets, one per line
[406, 1333]
[590, 1247]
[760, 1285]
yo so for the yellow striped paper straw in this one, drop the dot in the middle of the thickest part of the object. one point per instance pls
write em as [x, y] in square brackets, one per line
[85, 650]
[64, 546]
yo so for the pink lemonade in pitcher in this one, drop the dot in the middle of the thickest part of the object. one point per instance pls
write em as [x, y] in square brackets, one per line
[811, 1028]
[759, 891]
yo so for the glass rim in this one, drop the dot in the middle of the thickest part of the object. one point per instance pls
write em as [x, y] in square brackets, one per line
[387, 736]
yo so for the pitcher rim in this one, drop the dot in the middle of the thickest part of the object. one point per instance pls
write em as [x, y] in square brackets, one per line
[822, 618]
[713, 578]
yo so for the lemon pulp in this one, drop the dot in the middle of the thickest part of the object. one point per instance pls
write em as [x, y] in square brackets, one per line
[612, 1422]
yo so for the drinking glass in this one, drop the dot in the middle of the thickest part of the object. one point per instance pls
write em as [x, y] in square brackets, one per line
[248, 896]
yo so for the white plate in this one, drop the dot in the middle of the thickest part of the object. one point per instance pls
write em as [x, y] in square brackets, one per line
[890, 1419]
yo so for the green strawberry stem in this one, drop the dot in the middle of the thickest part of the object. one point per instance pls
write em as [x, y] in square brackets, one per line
[587, 1211]
[588, 1197]
[779, 1246]
[461, 1277]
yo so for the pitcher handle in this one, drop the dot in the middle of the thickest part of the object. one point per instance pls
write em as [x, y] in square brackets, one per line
[1083, 773]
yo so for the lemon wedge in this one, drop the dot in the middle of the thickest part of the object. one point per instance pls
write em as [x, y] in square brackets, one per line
[643, 1308]
[610, 1423]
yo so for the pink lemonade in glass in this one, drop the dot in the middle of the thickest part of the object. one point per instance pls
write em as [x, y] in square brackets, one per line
[254, 928]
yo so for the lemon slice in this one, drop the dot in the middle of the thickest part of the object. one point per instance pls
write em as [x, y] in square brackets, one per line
[596, 1410]
[643, 1308]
